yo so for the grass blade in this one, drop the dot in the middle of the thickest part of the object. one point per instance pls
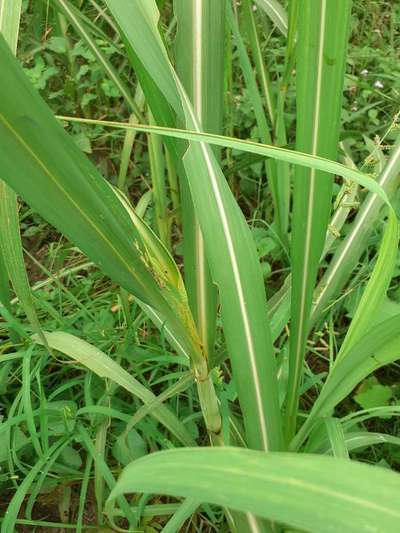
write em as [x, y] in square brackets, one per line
[11, 515]
[257, 53]
[321, 49]
[71, 14]
[200, 65]
[105, 367]
[158, 179]
[349, 252]
[275, 11]
[281, 170]
[186, 509]
[304, 491]
[128, 142]
[263, 128]
[375, 349]
[376, 288]
[12, 252]
[282, 154]
[336, 438]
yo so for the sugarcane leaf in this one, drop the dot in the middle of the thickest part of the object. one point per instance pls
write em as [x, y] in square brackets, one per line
[200, 66]
[11, 252]
[42, 163]
[321, 55]
[376, 288]
[352, 246]
[304, 491]
[283, 154]
[228, 242]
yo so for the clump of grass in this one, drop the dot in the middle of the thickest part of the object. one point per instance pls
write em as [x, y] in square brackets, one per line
[243, 397]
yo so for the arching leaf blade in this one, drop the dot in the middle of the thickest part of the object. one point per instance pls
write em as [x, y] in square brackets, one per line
[304, 491]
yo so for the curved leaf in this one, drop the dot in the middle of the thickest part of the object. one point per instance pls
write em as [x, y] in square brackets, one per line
[311, 492]
[43, 164]
[282, 154]
[105, 367]
[378, 347]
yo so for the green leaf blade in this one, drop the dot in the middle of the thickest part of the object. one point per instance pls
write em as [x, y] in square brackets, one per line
[241, 285]
[321, 49]
[304, 491]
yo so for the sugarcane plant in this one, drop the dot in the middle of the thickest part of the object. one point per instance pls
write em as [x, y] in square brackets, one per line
[268, 465]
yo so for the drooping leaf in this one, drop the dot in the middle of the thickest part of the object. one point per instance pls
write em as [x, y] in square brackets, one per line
[105, 367]
[42, 163]
[276, 12]
[310, 492]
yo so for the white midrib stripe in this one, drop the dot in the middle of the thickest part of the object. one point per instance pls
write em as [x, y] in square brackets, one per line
[236, 275]
[359, 223]
[197, 79]
[242, 303]
[253, 523]
[310, 212]
[277, 13]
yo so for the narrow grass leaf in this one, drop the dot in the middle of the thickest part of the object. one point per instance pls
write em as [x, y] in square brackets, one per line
[76, 20]
[282, 154]
[264, 129]
[158, 179]
[276, 12]
[12, 253]
[321, 53]
[355, 441]
[259, 60]
[376, 348]
[11, 514]
[105, 367]
[185, 511]
[106, 473]
[376, 288]
[200, 66]
[128, 143]
[350, 249]
[337, 438]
